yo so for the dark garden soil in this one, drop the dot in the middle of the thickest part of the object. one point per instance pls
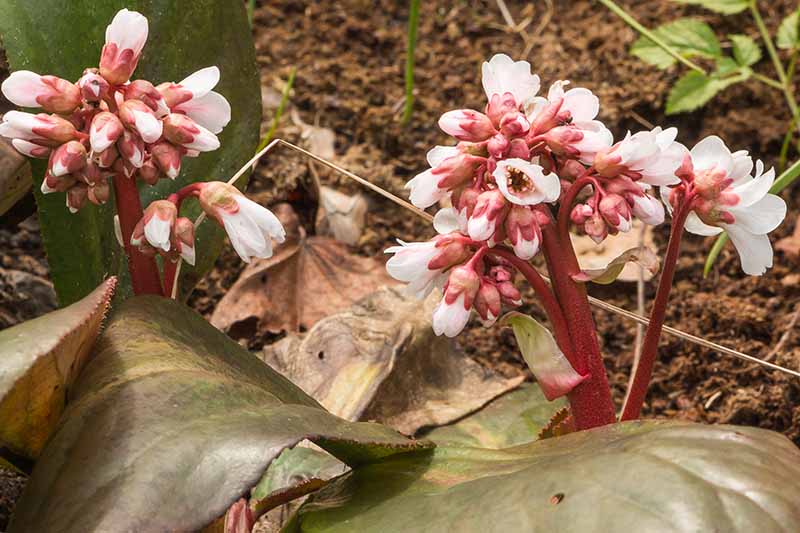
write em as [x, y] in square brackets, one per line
[350, 58]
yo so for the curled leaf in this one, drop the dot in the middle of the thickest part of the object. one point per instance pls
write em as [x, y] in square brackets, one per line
[39, 362]
[548, 363]
[641, 255]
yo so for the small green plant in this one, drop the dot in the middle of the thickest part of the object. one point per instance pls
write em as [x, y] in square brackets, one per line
[411, 46]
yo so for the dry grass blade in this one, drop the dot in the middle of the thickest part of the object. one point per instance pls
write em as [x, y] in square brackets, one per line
[594, 301]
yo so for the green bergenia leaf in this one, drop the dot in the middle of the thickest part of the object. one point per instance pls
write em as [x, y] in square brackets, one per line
[63, 38]
[689, 37]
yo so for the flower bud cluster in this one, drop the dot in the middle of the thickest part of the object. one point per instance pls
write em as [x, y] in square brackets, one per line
[105, 125]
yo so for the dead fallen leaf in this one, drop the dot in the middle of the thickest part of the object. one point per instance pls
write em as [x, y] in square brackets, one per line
[306, 279]
[791, 245]
[593, 256]
[380, 360]
[341, 216]
[642, 256]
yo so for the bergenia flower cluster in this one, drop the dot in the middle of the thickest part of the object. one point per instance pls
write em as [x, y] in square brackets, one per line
[525, 153]
[106, 125]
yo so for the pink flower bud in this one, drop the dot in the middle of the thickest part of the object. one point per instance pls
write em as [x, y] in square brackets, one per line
[467, 199]
[498, 145]
[93, 86]
[68, 158]
[31, 149]
[500, 273]
[571, 169]
[92, 174]
[499, 106]
[452, 313]
[174, 94]
[184, 237]
[451, 249]
[157, 224]
[106, 158]
[149, 172]
[509, 294]
[52, 183]
[55, 95]
[181, 130]
[167, 158]
[514, 125]
[106, 128]
[131, 147]
[596, 227]
[138, 117]
[76, 197]
[490, 209]
[518, 149]
[581, 213]
[42, 129]
[488, 303]
[467, 125]
[145, 91]
[647, 209]
[99, 193]
[616, 212]
[561, 138]
[523, 231]
[125, 38]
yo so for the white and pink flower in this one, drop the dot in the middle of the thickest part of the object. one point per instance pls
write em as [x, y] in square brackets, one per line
[452, 313]
[125, 39]
[28, 89]
[525, 183]
[450, 167]
[195, 98]
[652, 157]
[423, 264]
[501, 75]
[138, 117]
[488, 215]
[104, 131]
[183, 131]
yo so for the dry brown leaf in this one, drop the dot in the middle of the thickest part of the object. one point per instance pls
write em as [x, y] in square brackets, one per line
[791, 245]
[560, 424]
[340, 215]
[307, 279]
[380, 360]
[593, 256]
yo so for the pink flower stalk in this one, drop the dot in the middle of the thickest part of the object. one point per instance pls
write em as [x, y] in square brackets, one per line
[54, 95]
[726, 197]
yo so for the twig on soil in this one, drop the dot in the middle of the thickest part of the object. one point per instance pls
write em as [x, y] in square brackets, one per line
[786, 334]
[594, 301]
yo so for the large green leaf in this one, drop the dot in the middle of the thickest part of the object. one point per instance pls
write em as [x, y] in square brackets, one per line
[637, 476]
[694, 89]
[689, 37]
[62, 38]
[170, 424]
[39, 361]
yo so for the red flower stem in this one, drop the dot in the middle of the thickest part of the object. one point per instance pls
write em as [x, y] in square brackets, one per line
[170, 271]
[566, 203]
[143, 269]
[644, 370]
[548, 299]
[590, 401]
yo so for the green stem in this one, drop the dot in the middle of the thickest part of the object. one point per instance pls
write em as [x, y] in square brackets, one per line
[411, 46]
[767, 80]
[278, 112]
[776, 61]
[633, 23]
[787, 141]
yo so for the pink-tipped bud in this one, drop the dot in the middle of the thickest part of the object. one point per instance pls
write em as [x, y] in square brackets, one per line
[122, 166]
[99, 193]
[498, 146]
[184, 237]
[68, 158]
[596, 227]
[106, 128]
[54, 95]
[548, 118]
[499, 106]
[519, 149]
[616, 212]
[489, 211]
[77, 195]
[467, 125]
[42, 129]
[106, 158]
[466, 199]
[157, 225]
[93, 86]
[145, 91]
[581, 213]
[524, 233]
[52, 183]
[131, 148]
[500, 273]
[514, 125]
[92, 174]
[31, 149]
[488, 302]
[149, 172]
[181, 130]
[174, 94]
[647, 209]
[125, 38]
[139, 118]
[167, 158]
[562, 138]
[451, 249]
[509, 294]
[571, 169]
[463, 280]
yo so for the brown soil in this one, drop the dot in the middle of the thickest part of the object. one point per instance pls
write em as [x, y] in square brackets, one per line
[350, 58]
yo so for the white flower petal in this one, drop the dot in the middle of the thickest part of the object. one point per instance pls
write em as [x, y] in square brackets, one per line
[148, 126]
[755, 251]
[742, 166]
[761, 217]
[753, 190]
[449, 220]
[582, 104]
[23, 87]
[711, 152]
[201, 82]
[437, 154]
[128, 30]
[450, 319]
[424, 190]
[211, 111]
[501, 75]
[157, 231]
[698, 227]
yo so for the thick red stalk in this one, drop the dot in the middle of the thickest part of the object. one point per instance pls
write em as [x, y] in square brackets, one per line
[590, 402]
[170, 271]
[549, 302]
[143, 269]
[644, 370]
